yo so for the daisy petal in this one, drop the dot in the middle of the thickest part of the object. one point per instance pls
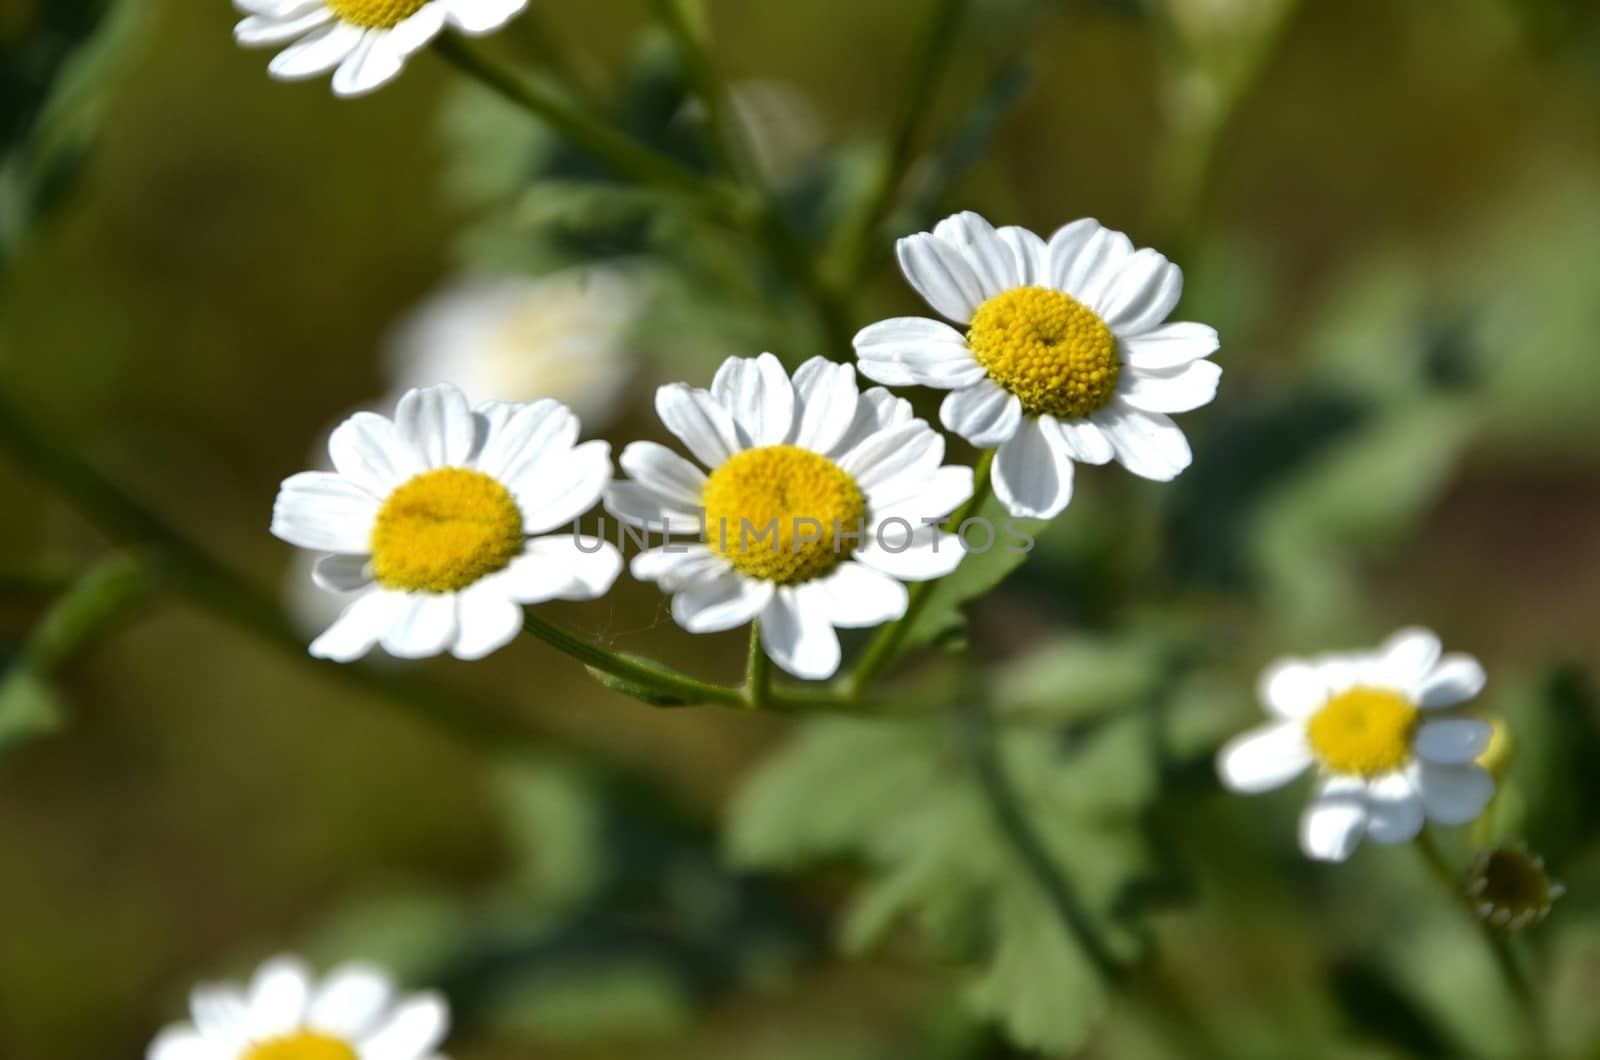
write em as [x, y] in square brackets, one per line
[912, 450]
[350, 1000]
[1408, 656]
[324, 512]
[219, 1012]
[675, 566]
[1145, 290]
[797, 634]
[317, 53]
[941, 274]
[915, 351]
[991, 258]
[367, 450]
[341, 574]
[418, 31]
[1264, 758]
[1179, 391]
[638, 505]
[1452, 741]
[719, 604]
[1332, 826]
[425, 625]
[181, 1042]
[590, 564]
[1396, 810]
[374, 63]
[260, 31]
[665, 474]
[1454, 794]
[984, 414]
[758, 395]
[699, 422]
[1169, 346]
[517, 439]
[878, 410]
[916, 499]
[279, 996]
[1456, 679]
[928, 554]
[1032, 473]
[828, 396]
[1147, 443]
[1085, 442]
[359, 628]
[570, 488]
[857, 597]
[476, 17]
[412, 1031]
[438, 424]
[1292, 688]
[1032, 256]
[488, 621]
[1085, 258]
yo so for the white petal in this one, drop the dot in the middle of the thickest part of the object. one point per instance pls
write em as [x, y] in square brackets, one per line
[219, 1012]
[1408, 656]
[1456, 679]
[350, 1000]
[359, 627]
[483, 16]
[517, 439]
[277, 10]
[1264, 758]
[1085, 257]
[991, 257]
[1179, 391]
[665, 474]
[424, 626]
[1332, 826]
[590, 565]
[1145, 290]
[941, 274]
[418, 31]
[917, 499]
[342, 574]
[699, 421]
[181, 1042]
[437, 421]
[259, 30]
[564, 489]
[316, 54]
[413, 1030]
[828, 396]
[1292, 688]
[367, 450]
[757, 393]
[487, 620]
[279, 996]
[1031, 254]
[1452, 741]
[673, 567]
[984, 413]
[913, 449]
[1169, 346]
[1032, 472]
[374, 63]
[798, 636]
[878, 410]
[720, 604]
[1147, 443]
[637, 505]
[1396, 809]
[1453, 794]
[1085, 442]
[325, 512]
[857, 597]
[929, 554]
[915, 351]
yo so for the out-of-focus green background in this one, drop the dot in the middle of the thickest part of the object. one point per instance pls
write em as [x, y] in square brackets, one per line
[1400, 244]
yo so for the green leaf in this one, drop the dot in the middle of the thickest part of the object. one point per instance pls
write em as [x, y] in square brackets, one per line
[29, 707]
[554, 825]
[1078, 677]
[978, 573]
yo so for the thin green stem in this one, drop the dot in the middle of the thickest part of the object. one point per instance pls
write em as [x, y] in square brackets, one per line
[686, 21]
[645, 675]
[82, 614]
[933, 55]
[758, 680]
[885, 647]
[1498, 942]
[1010, 815]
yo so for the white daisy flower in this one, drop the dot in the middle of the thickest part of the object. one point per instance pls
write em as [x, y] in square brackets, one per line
[561, 336]
[820, 502]
[1376, 726]
[285, 1014]
[435, 516]
[364, 42]
[1064, 357]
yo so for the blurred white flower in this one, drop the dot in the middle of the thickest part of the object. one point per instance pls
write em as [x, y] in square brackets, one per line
[816, 509]
[364, 42]
[560, 336]
[284, 1013]
[1065, 355]
[432, 518]
[1375, 725]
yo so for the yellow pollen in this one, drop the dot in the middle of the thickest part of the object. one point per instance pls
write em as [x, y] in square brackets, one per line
[301, 1045]
[782, 513]
[443, 530]
[375, 14]
[1049, 349]
[1365, 731]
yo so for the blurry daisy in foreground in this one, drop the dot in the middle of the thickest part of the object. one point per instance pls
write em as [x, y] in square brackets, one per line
[1064, 355]
[561, 336]
[285, 1014]
[814, 512]
[364, 42]
[434, 519]
[1378, 728]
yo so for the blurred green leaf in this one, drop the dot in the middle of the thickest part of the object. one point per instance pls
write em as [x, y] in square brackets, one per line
[979, 572]
[1079, 677]
[29, 708]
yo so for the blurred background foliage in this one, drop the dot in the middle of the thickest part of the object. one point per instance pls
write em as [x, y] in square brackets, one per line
[1387, 209]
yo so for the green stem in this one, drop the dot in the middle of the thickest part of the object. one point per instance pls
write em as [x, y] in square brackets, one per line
[587, 132]
[686, 21]
[758, 682]
[646, 675]
[937, 45]
[1505, 958]
[83, 613]
[575, 70]
[1010, 815]
[885, 647]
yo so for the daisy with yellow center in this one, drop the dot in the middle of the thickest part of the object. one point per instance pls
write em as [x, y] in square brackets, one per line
[364, 42]
[1065, 355]
[819, 502]
[1378, 727]
[284, 1013]
[435, 519]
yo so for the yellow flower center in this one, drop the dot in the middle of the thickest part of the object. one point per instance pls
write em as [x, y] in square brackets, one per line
[783, 514]
[443, 530]
[1049, 349]
[375, 14]
[301, 1045]
[1365, 731]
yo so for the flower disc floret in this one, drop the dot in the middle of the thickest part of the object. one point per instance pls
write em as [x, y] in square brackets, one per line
[1364, 731]
[375, 14]
[1049, 349]
[302, 1045]
[783, 514]
[443, 530]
